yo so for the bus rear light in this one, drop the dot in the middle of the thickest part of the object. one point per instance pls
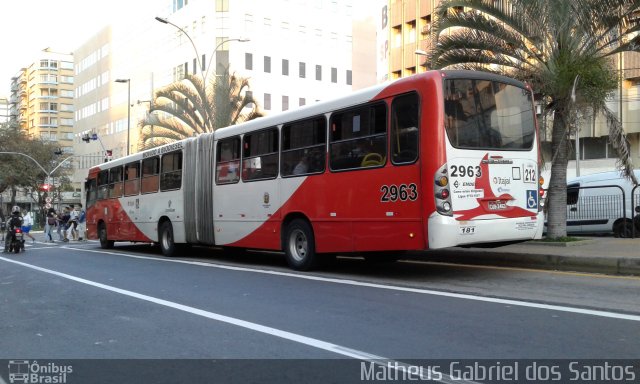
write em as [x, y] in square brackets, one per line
[442, 181]
[441, 192]
[541, 193]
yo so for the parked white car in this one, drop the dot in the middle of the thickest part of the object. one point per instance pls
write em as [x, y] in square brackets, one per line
[603, 203]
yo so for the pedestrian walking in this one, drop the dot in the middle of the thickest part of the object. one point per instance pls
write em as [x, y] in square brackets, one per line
[51, 223]
[72, 225]
[27, 224]
[63, 218]
[82, 223]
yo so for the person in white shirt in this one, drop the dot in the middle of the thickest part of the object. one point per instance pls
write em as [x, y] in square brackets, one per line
[27, 223]
[72, 232]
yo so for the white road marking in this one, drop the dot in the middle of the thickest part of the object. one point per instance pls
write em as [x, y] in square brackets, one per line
[309, 341]
[520, 303]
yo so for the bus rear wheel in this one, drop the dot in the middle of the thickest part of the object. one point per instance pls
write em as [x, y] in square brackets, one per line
[165, 236]
[102, 234]
[299, 245]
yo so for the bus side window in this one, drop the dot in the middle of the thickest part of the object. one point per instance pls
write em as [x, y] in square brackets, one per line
[103, 184]
[304, 147]
[150, 179]
[260, 155]
[115, 182]
[404, 128]
[358, 138]
[228, 161]
[132, 179]
[171, 171]
[91, 187]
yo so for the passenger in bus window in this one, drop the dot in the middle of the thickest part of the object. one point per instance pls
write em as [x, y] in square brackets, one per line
[302, 166]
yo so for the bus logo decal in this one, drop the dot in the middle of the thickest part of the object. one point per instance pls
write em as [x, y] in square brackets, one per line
[265, 198]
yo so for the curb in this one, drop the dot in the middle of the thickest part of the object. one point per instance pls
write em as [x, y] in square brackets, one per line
[604, 265]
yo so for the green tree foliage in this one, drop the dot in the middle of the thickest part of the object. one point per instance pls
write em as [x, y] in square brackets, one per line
[548, 43]
[19, 173]
[188, 108]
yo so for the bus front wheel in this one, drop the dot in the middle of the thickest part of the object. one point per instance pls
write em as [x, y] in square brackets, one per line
[299, 245]
[167, 244]
[105, 243]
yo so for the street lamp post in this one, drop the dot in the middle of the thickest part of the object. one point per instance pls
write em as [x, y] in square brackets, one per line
[215, 50]
[47, 173]
[205, 74]
[128, 81]
[206, 71]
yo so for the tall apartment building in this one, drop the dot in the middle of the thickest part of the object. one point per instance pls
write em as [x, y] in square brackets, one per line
[41, 101]
[406, 28]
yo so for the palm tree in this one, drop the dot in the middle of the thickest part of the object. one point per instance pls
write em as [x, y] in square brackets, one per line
[549, 44]
[187, 108]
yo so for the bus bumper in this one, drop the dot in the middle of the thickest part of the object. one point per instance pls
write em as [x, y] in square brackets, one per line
[445, 231]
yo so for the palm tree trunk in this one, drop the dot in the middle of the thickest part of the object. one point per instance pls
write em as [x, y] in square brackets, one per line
[557, 198]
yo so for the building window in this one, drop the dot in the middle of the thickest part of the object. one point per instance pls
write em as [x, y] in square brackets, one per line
[267, 64]
[334, 75]
[318, 72]
[303, 70]
[285, 103]
[267, 101]
[285, 67]
[222, 5]
[302, 101]
[349, 79]
[248, 61]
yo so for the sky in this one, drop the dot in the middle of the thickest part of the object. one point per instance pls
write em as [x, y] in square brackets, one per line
[61, 25]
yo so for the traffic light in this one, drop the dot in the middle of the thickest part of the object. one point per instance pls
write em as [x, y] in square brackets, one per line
[86, 138]
[46, 187]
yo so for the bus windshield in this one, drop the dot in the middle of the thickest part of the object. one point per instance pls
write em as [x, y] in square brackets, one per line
[485, 114]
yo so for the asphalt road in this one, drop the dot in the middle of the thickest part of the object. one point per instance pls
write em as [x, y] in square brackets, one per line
[77, 301]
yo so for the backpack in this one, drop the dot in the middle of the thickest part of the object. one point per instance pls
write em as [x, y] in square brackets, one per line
[81, 217]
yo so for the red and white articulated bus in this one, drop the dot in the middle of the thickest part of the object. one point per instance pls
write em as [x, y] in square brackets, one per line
[439, 159]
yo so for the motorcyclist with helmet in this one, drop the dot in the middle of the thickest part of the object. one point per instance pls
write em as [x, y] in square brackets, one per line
[14, 221]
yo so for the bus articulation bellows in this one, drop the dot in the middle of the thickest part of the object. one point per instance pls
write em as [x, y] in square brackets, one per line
[439, 159]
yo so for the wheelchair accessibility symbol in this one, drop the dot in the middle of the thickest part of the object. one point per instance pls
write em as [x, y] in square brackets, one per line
[532, 199]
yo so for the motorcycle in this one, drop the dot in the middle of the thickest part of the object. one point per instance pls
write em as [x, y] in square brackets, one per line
[17, 241]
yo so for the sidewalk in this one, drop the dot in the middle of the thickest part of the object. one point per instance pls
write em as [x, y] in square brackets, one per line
[607, 255]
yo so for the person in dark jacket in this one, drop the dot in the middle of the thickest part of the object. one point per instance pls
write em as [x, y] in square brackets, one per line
[13, 222]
